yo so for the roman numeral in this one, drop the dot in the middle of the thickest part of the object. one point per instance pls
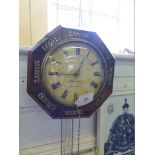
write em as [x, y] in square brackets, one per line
[56, 85]
[66, 53]
[77, 51]
[97, 74]
[94, 84]
[64, 95]
[94, 63]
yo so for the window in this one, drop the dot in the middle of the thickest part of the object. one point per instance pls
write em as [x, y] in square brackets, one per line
[113, 20]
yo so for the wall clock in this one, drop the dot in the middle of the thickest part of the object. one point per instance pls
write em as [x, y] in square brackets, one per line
[70, 73]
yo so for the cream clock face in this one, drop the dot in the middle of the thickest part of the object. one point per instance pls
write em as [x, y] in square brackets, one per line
[73, 70]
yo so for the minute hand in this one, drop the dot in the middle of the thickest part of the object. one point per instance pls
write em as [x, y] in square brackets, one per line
[81, 64]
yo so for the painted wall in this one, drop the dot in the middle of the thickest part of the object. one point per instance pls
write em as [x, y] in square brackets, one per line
[24, 23]
[32, 21]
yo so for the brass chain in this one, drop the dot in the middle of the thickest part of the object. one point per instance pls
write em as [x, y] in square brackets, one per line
[78, 132]
[72, 136]
[72, 141]
[61, 136]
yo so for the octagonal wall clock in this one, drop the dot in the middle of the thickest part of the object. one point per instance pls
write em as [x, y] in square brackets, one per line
[70, 73]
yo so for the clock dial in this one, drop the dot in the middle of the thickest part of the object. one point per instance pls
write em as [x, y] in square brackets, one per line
[72, 70]
[70, 73]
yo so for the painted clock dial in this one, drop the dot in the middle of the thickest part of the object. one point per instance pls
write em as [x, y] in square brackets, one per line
[72, 70]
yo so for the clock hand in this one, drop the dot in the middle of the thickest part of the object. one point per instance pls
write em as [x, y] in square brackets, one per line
[81, 64]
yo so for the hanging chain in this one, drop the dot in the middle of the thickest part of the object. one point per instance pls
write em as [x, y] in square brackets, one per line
[78, 151]
[72, 141]
[61, 136]
[72, 136]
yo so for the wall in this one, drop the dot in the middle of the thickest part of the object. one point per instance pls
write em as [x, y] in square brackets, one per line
[24, 23]
[32, 21]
